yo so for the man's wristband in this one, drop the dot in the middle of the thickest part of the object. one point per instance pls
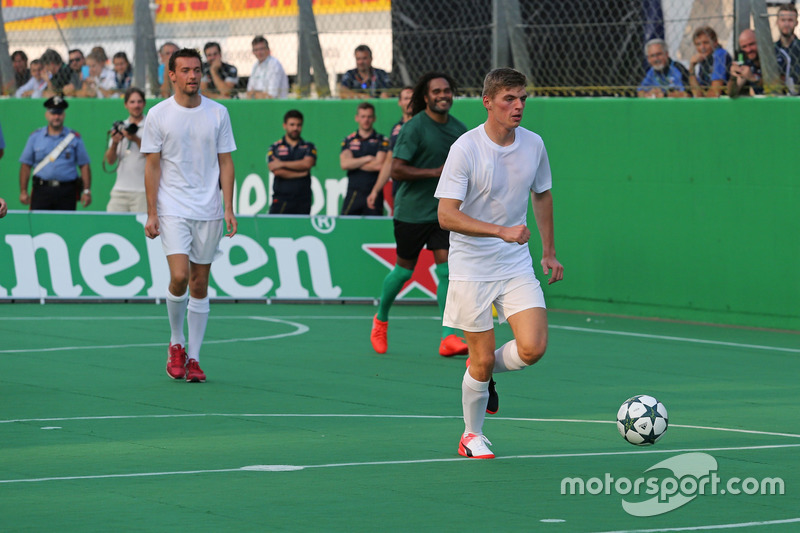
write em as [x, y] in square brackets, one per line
[86, 191]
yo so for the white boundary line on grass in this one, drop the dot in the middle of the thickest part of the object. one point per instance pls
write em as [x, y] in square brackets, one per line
[303, 329]
[292, 468]
[300, 329]
[710, 527]
[356, 415]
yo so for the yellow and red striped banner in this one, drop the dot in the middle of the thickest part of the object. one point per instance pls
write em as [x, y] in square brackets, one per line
[120, 12]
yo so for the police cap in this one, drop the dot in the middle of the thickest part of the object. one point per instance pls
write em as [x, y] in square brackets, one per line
[56, 102]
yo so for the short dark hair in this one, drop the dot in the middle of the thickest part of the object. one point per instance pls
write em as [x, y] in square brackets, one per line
[787, 7]
[21, 54]
[184, 52]
[363, 48]
[259, 39]
[705, 30]
[76, 51]
[51, 57]
[212, 44]
[421, 89]
[35, 62]
[502, 78]
[134, 90]
[292, 113]
[366, 105]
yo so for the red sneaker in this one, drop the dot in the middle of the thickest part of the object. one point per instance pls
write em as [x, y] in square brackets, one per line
[176, 361]
[378, 335]
[453, 345]
[193, 372]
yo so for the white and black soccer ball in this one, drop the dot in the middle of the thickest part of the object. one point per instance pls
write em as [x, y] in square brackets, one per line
[642, 420]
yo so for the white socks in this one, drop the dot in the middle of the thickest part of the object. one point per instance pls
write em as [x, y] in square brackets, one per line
[195, 312]
[197, 318]
[474, 396]
[176, 311]
[506, 358]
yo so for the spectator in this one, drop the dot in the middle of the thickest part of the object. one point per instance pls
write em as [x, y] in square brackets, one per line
[76, 64]
[123, 71]
[101, 82]
[364, 81]
[19, 61]
[710, 66]
[164, 53]
[35, 86]
[362, 156]
[404, 101]
[127, 194]
[219, 78]
[746, 73]
[59, 74]
[267, 78]
[290, 160]
[100, 53]
[665, 77]
[789, 44]
[53, 152]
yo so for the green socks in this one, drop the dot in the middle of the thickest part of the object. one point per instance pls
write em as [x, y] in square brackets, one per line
[392, 285]
[443, 273]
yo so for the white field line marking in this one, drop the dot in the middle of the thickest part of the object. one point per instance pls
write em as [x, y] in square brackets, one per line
[678, 339]
[300, 329]
[287, 318]
[335, 415]
[715, 526]
[292, 468]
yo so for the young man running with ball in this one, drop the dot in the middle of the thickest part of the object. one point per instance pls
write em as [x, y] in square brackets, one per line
[483, 201]
[188, 142]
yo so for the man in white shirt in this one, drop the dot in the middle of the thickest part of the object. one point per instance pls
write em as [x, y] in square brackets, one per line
[188, 142]
[483, 201]
[127, 194]
[34, 87]
[267, 79]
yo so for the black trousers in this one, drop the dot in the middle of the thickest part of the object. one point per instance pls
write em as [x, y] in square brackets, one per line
[49, 198]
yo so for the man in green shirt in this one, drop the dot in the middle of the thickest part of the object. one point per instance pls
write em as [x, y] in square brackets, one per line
[418, 158]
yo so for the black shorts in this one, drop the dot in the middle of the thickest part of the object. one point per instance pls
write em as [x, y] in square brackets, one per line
[411, 237]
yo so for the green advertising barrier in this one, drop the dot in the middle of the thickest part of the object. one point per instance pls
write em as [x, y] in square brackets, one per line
[674, 209]
[87, 255]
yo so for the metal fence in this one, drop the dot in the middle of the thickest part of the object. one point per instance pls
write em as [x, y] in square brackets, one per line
[593, 47]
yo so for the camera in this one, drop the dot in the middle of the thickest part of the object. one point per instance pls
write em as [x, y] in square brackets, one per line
[120, 127]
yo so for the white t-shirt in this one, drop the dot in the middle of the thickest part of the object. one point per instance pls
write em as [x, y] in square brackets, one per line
[494, 183]
[189, 140]
[269, 77]
[130, 166]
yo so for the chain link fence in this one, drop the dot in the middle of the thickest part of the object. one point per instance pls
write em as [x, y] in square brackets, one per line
[589, 48]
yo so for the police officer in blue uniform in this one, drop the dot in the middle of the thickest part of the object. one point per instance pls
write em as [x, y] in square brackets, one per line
[290, 160]
[53, 156]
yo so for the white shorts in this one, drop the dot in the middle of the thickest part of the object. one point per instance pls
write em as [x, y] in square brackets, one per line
[469, 303]
[199, 239]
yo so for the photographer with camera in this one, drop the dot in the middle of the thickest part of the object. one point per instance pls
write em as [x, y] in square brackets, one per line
[127, 195]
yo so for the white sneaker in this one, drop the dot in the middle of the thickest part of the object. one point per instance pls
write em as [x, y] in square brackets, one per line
[474, 446]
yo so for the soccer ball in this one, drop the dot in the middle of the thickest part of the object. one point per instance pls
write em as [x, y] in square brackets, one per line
[642, 420]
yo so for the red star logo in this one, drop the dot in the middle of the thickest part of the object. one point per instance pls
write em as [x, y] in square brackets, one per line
[424, 277]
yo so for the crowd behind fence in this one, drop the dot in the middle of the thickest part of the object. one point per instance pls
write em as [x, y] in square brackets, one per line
[565, 48]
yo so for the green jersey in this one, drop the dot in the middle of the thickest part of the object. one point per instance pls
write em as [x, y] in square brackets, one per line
[423, 143]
